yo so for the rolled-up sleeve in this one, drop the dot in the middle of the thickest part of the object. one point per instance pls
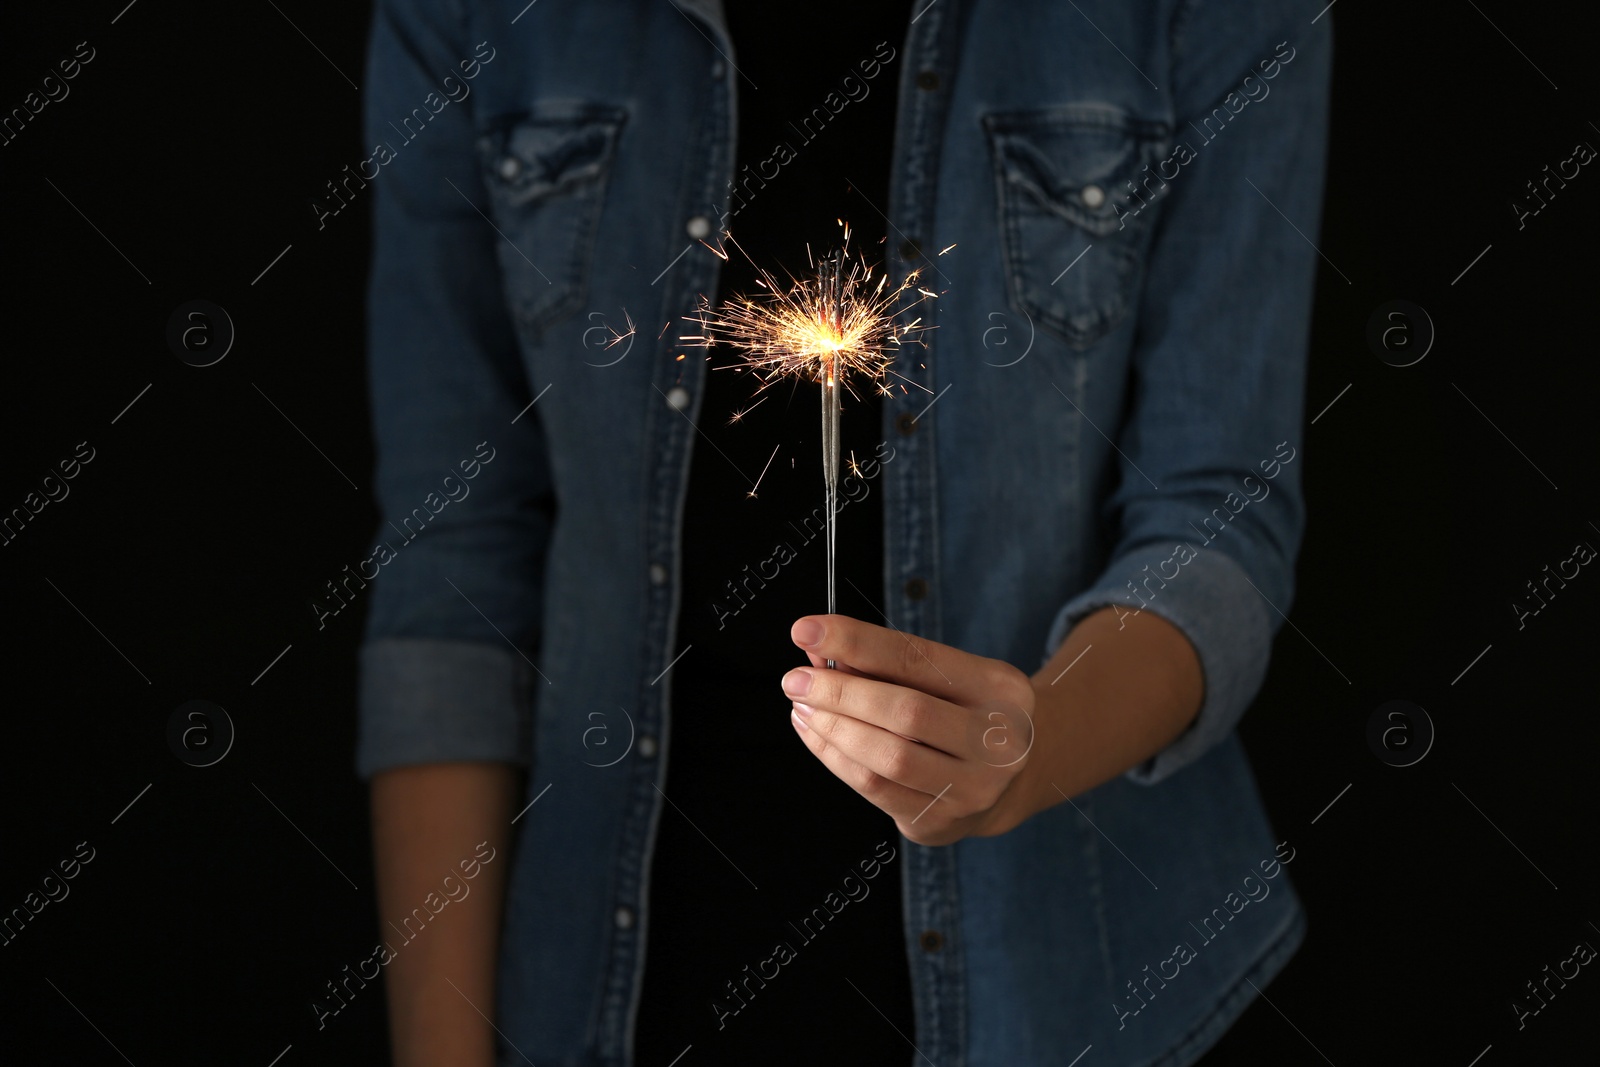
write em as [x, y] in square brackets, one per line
[1219, 373]
[447, 661]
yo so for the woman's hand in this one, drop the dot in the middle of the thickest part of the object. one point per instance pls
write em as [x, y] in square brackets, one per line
[930, 734]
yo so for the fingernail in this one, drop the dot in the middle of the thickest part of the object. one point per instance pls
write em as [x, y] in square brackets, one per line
[807, 633]
[797, 683]
[805, 710]
[798, 719]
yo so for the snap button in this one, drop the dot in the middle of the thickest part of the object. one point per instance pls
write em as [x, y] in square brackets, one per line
[916, 589]
[658, 573]
[699, 227]
[928, 79]
[647, 746]
[624, 919]
[931, 941]
[1093, 195]
[510, 167]
[906, 423]
[677, 398]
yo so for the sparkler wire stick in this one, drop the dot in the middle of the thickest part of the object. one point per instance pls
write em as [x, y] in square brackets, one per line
[839, 324]
[831, 308]
[830, 472]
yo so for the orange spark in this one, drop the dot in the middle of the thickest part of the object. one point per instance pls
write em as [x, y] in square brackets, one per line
[827, 328]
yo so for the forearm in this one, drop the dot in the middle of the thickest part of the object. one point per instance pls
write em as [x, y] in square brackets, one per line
[425, 821]
[1114, 694]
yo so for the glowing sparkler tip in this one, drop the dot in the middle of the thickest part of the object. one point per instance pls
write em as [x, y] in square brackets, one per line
[826, 328]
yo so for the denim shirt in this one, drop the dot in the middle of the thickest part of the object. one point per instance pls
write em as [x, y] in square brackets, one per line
[1110, 413]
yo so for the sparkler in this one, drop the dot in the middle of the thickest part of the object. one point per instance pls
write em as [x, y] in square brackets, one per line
[839, 324]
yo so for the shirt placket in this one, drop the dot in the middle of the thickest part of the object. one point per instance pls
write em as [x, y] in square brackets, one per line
[931, 903]
[677, 388]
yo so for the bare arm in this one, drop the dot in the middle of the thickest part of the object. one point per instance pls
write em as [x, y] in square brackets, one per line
[1129, 695]
[425, 820]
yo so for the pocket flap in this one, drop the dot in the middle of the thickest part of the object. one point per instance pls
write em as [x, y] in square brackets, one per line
[551, 148]
[1081, 162]
[546, 170]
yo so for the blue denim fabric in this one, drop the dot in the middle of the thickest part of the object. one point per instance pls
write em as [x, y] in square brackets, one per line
[1163, 313]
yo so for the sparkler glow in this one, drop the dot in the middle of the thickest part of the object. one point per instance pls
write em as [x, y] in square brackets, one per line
[830, 328]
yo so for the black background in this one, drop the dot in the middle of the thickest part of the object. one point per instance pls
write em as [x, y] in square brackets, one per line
[193, 543]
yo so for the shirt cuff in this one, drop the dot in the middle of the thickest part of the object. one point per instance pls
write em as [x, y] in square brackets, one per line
[1213, 603]
[426, 700]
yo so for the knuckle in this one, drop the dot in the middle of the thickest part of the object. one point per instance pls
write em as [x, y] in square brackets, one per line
[827, 688]
[957, 803]
[872, 785]
[1021, 691]
[911, 713]
[910, 656]
[896, 760]
[1000, 734]
[1007, 682]
[984, 796]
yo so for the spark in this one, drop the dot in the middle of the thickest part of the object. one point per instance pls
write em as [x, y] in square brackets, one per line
[763, 474]
[830, 328]
[737, 415]
[619, 336]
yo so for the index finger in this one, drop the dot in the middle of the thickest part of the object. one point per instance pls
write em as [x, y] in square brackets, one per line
[898, 657]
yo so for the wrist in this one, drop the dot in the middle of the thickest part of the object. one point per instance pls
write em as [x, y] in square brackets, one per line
[1019, 800]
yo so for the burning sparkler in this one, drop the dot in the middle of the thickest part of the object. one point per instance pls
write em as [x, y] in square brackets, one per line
[839, 324]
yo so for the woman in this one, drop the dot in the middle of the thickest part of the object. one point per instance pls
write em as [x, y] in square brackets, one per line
[1067, 544]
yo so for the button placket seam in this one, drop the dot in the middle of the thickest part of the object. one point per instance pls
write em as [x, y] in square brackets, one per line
[672, 444]
[932, 899]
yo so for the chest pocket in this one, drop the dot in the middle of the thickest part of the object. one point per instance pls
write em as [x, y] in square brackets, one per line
[1073, 230]
[546, 172]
